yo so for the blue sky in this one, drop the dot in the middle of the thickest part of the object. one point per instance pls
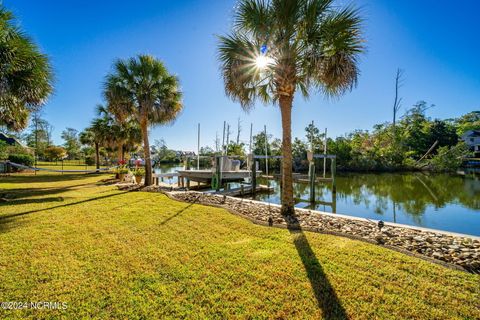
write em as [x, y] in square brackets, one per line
[436, 42]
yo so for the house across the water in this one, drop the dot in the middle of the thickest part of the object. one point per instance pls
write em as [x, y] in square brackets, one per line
[472, 139]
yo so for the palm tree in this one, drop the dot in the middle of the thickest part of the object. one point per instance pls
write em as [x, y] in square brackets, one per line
[110, 132]
[143, 88]
[281, 47]
[91, 137]
[25, 74]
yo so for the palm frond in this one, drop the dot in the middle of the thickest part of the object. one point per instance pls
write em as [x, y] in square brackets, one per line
[141, 86]
[26, 79]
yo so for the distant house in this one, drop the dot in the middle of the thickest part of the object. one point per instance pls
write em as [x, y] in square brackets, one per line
[11, 141]
[181, 154]
[472, 139]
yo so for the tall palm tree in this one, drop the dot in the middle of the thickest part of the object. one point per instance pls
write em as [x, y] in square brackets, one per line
[280, 47]
[25, 74]
[142, 87]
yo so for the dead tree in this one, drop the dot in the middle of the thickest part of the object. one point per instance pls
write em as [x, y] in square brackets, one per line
[397, 104]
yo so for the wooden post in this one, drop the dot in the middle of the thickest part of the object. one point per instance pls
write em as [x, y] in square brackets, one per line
[223, 138]
[254, 175]
[325, 154]
[266, 151]
[62, 166]
[334, 173]
[198, 148]
[187, 167]
[311, 172]
[217, 172]
[334, 202]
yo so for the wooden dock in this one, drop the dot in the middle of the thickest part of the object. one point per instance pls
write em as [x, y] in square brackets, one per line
[244, 190]
[298, 177]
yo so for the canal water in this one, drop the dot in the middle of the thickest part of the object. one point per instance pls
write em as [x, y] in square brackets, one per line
[440, 201]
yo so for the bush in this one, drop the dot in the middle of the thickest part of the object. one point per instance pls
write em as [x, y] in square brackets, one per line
[121, 170]
[90, 160]
[450, 159]
[138, 172]
[54, 153]
[24, 159]
[3, 150]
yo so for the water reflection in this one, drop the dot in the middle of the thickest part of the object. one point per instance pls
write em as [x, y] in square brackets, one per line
[442, 201]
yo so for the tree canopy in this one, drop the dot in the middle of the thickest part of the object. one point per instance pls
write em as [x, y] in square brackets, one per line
[26, 76]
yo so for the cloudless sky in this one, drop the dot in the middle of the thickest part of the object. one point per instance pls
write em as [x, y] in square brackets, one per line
[437, 42]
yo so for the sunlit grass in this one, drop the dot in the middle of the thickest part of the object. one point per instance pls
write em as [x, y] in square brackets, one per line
[119, 255]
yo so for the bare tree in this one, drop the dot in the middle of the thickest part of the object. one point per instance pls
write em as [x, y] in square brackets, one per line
[397, 104]
[217, 142]
[239, 129]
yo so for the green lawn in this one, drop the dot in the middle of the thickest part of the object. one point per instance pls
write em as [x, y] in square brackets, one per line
[67, 165]
[136, 255]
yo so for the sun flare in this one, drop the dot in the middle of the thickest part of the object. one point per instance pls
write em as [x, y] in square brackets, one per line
[263, 61]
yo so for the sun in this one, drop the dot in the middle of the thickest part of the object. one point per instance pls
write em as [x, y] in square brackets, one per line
[263, 61]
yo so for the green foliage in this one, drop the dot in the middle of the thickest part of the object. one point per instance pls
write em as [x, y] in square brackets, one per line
[54, 153]
[138, 172]
[141, 89]
[234, 149]
[469, 121]
[90, 160]
[25, 159]
[162, 154]
[305, 45]
[39, 135]
[450, 158]
[72, 143]
[122, 170]
[3, 150]
[26, 74]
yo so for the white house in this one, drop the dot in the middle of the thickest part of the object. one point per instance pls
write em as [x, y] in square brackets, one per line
[472, 139]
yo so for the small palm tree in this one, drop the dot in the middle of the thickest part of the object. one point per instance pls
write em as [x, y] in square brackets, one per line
[143, 88]
[122, 132]
[281, 47]
[91, 137]
[25, 74]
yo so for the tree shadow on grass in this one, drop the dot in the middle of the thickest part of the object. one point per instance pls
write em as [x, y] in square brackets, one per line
[24, 178]
[177, 213]
[21, 201]
[9, 218]
[325, 295]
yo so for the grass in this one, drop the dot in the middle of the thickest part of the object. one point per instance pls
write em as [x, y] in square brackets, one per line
[67, 165]
[114, 254]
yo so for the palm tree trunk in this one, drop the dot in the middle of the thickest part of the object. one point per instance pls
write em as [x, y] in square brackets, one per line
[287, 176]
[146, 151]
[97, 156]
[119, 153]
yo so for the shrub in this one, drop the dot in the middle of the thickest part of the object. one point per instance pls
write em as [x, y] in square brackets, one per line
[3, 150]
[139, 172]
[90, 160]
[121, 170]
[24, 159]
[54, 153]
[450, 159]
